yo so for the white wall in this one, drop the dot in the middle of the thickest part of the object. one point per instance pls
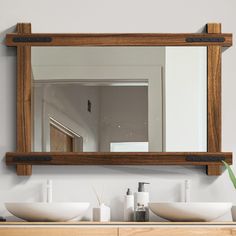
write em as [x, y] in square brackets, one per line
[123, 115]
[74, 183]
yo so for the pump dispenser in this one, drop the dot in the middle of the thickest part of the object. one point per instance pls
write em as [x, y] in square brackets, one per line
[129, 206]
[142, 197]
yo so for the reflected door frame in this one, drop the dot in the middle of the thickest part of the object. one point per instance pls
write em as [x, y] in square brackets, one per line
[60, 139]
[53, 115]
[76, 139]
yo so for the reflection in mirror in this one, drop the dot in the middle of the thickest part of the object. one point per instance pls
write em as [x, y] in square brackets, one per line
[119, 99]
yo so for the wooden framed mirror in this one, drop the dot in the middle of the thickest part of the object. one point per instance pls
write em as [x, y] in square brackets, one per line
[46, 65]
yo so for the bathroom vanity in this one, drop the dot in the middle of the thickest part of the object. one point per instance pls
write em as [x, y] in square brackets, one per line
[117, 229]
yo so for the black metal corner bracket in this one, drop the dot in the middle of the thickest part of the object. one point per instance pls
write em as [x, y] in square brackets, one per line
[204, 159]
[32, 158]
[19, 39]
[205, 40]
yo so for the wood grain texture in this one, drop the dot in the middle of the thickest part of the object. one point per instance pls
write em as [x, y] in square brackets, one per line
[174, 231]
[24, 98]
[88, 231]
[116, 158]
[214, 98]
[24, 170]
[214, 169]
[141, 39]
[214, 28]
[60, 141]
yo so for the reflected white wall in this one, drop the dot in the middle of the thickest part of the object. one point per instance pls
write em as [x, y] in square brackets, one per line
[123, 115]
[186, 99]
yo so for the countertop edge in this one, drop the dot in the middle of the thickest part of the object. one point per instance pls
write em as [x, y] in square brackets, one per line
[118, 223]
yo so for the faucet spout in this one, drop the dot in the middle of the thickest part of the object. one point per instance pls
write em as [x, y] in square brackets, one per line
[49, 191]
[187, 190]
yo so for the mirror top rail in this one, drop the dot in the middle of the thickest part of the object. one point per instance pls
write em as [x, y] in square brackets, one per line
[119, 39]
[211, 36]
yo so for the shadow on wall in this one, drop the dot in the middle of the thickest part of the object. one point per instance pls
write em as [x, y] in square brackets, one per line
[109, 170]
[8, 51]
[203, 29]
[8, 111]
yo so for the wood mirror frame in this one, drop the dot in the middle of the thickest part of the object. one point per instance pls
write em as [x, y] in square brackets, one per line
[24, 158]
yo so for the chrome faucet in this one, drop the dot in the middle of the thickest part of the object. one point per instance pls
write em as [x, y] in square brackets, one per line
[187, 190]
[49, 191]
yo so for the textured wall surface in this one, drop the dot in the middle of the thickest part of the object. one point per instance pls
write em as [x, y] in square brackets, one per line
[75, 183]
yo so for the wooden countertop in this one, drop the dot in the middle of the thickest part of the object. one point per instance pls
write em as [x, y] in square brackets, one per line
[117, 223]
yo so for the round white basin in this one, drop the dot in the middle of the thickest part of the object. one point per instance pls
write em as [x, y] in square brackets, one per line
[190, 211]
[41, 212]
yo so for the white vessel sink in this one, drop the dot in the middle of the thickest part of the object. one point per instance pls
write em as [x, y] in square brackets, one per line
[41, 212]
[190, 211]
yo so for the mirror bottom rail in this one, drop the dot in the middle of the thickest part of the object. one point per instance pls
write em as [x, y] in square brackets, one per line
[118, 158]
[25, 160]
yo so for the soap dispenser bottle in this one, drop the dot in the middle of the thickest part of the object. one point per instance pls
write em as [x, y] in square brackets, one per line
[142, 197]
[129, 206]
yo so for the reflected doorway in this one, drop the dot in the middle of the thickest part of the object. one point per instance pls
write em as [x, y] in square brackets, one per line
[63, 139]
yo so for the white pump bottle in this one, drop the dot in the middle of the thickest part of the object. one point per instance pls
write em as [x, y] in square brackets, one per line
[142, 197]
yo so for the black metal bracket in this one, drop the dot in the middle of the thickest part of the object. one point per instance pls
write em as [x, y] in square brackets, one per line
[19, 39]
[205, 40]
[204, 159]
[2, 219]
[32, 158]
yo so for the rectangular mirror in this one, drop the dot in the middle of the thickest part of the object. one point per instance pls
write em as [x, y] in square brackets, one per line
[119, 99]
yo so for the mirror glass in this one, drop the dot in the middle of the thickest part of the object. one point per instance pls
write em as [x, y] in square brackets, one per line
[119, 99]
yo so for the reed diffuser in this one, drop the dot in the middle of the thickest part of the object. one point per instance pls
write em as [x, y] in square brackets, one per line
[102, 213]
